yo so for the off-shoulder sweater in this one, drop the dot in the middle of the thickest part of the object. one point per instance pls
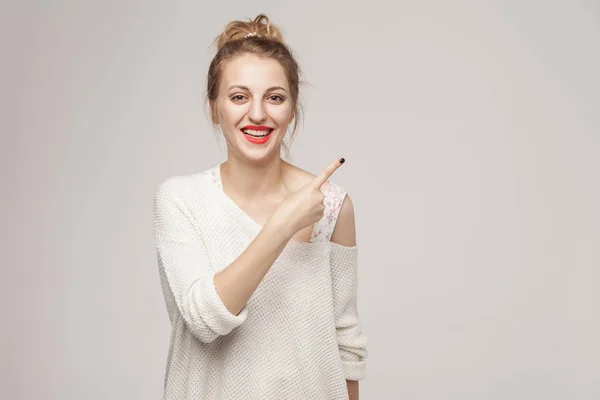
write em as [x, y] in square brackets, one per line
[298, 336]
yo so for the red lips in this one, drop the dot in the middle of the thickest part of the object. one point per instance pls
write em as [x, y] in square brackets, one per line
[257, 139]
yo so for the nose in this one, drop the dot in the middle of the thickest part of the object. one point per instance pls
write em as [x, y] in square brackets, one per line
[257, 111]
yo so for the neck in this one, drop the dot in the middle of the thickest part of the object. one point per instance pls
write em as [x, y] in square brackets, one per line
[253, 180]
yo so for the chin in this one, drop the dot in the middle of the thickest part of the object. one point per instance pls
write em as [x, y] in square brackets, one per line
[260, 155]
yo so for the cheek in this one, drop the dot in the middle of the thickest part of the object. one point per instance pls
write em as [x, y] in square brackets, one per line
[281, 115]
[229, 113]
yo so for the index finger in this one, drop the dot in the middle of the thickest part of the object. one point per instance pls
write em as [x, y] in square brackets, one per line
[327, 171]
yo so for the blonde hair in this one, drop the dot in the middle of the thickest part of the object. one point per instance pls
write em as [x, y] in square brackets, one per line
[259, 37]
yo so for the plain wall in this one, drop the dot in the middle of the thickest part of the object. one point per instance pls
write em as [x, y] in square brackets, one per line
[471, 131]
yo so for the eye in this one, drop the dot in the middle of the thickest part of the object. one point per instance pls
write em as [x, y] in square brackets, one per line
[277, 98]
[238, 98]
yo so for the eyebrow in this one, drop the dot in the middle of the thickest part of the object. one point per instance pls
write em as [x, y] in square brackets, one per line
[246, 88]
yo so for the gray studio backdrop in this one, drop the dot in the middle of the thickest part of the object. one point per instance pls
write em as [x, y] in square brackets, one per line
[471, 131]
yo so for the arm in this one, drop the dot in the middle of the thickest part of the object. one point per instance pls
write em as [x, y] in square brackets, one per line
[352, 387]
[211, 304]
[344, 266]
[302, 208]
[237, 282]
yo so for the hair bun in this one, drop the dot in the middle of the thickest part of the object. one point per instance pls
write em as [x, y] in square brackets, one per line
[258, 27]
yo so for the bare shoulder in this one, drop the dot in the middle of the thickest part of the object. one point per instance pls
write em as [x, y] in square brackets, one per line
[344, 232]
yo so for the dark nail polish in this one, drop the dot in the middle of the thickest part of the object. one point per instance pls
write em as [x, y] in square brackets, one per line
[342, 160]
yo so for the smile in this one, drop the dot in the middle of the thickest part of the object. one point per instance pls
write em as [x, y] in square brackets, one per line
[257, 133]
[257, 136]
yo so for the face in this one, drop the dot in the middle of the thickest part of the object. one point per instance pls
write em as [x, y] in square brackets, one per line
[254, 106]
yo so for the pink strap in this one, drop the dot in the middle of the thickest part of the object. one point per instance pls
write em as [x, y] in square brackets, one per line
[334, 198]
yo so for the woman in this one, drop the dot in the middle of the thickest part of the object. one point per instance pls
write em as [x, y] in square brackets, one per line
[257, 258]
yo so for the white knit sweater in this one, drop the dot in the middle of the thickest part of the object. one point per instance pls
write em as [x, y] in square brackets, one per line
[298, 337]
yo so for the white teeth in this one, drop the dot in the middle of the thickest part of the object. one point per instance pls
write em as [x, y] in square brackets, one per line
[256, 133]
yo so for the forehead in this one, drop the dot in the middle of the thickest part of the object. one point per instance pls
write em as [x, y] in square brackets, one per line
[254, 72]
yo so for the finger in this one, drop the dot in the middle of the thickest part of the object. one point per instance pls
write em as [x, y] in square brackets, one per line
[326, 172]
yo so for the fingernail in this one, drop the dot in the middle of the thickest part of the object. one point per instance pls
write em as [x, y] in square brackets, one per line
[342, 160]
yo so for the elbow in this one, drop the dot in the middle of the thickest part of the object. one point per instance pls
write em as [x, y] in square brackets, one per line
[352, 343]
[200, 331]
[204, 313]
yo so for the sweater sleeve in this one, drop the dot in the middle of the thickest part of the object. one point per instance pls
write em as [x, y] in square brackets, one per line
[182, 254]
[352, 341]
